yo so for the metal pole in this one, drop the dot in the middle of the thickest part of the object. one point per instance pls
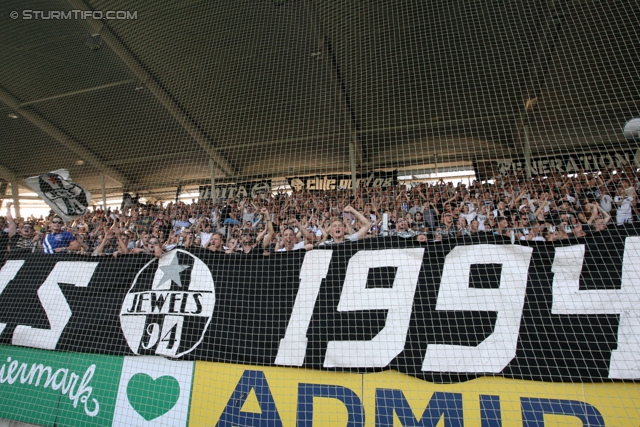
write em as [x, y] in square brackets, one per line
[212, 173]
[325, 46]
[527, 152]
[435, 161]
[352, 166]
[16, 199]
[104, 193]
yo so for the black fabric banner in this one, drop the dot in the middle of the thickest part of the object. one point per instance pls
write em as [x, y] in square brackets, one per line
[239, 189]
[343, 182]
[565, 163]
[503, 309]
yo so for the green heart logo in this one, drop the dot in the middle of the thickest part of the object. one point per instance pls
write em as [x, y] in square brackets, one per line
[151, 398]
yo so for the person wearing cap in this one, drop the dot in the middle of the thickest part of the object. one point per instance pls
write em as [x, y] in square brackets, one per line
[525, 210]
[250, 244]
[402, 229]
[25, 240]
[57, 240]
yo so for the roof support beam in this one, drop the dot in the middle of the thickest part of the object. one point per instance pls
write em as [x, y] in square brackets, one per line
[167, 101]
[7, 174]
[53, 131]
[190, 155]
[11, 177]
[79, 92]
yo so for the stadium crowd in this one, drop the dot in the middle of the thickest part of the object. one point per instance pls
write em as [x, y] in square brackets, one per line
[550, 208]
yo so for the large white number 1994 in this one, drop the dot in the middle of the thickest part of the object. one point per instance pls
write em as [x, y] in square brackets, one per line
[625, 302]
[398, 300]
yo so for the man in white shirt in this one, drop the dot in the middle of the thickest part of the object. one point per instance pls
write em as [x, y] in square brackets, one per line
[606, 201]
[625, 207]
[205, 235]
[336, 229]
[290, 242]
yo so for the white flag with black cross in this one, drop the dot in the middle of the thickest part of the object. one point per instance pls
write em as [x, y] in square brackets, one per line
[66, 198]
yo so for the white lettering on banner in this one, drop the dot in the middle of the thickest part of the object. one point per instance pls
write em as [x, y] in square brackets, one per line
[398, 300]
[174, 308]
[625, 302]
[572, 162]
[497, 350]
[7, 274]
[327, 183]
[170, 336]
[58, 380]
[54, 304]
[154, 315]
[293, 346]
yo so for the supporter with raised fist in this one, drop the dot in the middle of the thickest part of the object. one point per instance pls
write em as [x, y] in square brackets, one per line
[337, 228]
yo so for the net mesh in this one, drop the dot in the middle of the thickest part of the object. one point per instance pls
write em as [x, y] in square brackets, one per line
[319, 212]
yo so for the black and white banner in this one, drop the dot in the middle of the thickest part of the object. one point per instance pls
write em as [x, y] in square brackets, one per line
[445, 312]
[343, 182]
[240, 189]
[563, 163]
[67, 199]
[128, 201]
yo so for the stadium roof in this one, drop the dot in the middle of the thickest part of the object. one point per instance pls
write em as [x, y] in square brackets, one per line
[277, 88]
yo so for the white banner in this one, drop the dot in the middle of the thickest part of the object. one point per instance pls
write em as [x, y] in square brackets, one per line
[67, 199]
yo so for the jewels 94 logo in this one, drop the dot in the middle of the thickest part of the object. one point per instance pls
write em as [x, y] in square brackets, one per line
[169, 306]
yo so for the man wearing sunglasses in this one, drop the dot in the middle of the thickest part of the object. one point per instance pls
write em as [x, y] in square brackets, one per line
[25, 241]
[57, 240]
